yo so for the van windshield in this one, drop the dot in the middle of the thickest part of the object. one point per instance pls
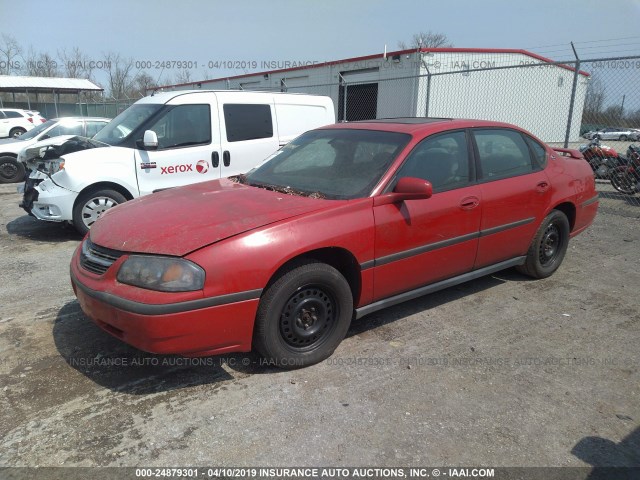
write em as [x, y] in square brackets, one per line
[119, 129]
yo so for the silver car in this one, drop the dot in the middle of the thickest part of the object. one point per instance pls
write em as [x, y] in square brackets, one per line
[622, 134]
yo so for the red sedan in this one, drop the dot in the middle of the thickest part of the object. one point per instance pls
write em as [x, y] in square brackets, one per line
[343, 221]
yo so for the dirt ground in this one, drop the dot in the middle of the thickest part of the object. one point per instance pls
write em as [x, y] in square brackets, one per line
[502, 371]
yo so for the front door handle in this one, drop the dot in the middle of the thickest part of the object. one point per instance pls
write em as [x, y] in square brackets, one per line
[469, 203]
[542, 187]
[215, 159]
[226, 158]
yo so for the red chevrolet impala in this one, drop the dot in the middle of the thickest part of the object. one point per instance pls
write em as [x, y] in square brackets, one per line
[341, 222]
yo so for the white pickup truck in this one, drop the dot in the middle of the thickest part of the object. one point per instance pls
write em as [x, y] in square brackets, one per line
[167, 140]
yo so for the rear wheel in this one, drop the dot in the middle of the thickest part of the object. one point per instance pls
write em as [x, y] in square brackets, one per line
[623, 180]
[91, 205]
[303, 316]
[11, 170]
[623, 138]
[17, 131]
[548, 247]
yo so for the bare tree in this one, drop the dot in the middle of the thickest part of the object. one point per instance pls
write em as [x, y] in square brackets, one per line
[427, 39]
[183, 76]
[143, 83]
[10, 52]
[75, 64]
[40, 64]
[120, 76]
[594, 101]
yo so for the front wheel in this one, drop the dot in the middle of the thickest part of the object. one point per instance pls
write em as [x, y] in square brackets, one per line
[11, 170]
[91, 205]
[623, 138]
[548, 247]
[303, 316]
[623, 180]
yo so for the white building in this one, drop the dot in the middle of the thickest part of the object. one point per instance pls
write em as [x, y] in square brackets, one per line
[507, 85]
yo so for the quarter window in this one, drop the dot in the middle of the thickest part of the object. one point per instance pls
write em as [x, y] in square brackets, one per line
[539, 153]
[443, 160]
[247, 122]
[502, 153]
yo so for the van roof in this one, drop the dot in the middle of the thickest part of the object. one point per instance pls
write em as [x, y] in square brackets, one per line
[164, 97]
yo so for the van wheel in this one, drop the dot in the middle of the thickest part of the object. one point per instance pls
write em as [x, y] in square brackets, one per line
[11, 170]
[548, 247]
[303, 316]
[15, 132]
[91, 205]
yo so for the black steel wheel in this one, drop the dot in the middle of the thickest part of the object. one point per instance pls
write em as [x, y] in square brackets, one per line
[303, 315]
[548, 247]
[11, 170]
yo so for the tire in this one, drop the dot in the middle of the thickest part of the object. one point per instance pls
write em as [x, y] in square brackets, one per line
[623, 138]
[597, 137]
[11, 170]
[303, 316]
[14, 132]
[91, 205]
[623, 181]
[548, 247]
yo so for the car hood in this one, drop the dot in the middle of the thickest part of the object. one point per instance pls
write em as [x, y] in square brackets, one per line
[180, 220]
[33, 150]
[6, 141]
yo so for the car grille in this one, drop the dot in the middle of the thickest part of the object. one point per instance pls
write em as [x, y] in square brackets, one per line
[97, 259]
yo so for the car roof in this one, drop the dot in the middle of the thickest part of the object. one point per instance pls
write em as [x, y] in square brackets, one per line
[80, 118]
[413, 125]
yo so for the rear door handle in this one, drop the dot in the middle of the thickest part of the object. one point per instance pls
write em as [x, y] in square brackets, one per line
[226, 158]
[469, 203]
[215, 159]
[542, 187]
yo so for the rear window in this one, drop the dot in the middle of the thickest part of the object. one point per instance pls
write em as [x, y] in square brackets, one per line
[247, 122]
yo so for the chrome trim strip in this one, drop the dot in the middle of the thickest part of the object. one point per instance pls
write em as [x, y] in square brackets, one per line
[506, 226]
[586, 203]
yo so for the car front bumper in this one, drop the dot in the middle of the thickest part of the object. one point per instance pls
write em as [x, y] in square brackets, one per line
[211, 330]
[54, 203]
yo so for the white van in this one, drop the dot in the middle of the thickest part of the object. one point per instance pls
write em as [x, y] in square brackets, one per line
[167, 140]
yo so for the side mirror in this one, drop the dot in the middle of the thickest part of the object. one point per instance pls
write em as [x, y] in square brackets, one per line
[150, 140]
[407, 188]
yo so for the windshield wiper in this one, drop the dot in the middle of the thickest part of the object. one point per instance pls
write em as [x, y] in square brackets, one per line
[287, 190]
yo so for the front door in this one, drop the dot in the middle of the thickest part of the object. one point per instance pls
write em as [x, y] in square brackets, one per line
[188, 148]
[422, 241]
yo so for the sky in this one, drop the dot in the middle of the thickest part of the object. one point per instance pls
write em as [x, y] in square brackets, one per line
[219, 33]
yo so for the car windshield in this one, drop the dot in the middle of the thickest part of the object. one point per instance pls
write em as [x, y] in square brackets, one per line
[330, 163]
[34, 132]
[119, 129]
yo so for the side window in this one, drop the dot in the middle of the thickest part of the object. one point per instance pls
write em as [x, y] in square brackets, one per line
[11, 114]
[443, 160]
[67, 128]
[183, 126]
[94, 127]
[247, 122]
[539, 153]
[503, 153]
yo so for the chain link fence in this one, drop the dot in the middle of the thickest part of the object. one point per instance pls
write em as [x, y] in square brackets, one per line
[103, 107]
[592, 105]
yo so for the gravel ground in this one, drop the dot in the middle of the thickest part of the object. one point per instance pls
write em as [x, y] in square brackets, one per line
[502, 371]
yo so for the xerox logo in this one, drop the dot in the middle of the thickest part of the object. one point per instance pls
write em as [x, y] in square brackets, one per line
[177, 169]
[202, 166]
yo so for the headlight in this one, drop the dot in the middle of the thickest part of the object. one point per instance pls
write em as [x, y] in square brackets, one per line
[55, 166]
[165, 274]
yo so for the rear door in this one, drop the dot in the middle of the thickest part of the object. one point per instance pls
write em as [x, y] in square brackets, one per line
[248, 131]
[188, 146]
[515, 192]
[422, 241]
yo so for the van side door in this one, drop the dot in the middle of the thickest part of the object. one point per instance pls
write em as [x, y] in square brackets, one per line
[248, 131]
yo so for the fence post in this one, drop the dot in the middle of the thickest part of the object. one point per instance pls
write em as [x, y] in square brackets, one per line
[572, 101]
[342, 81]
